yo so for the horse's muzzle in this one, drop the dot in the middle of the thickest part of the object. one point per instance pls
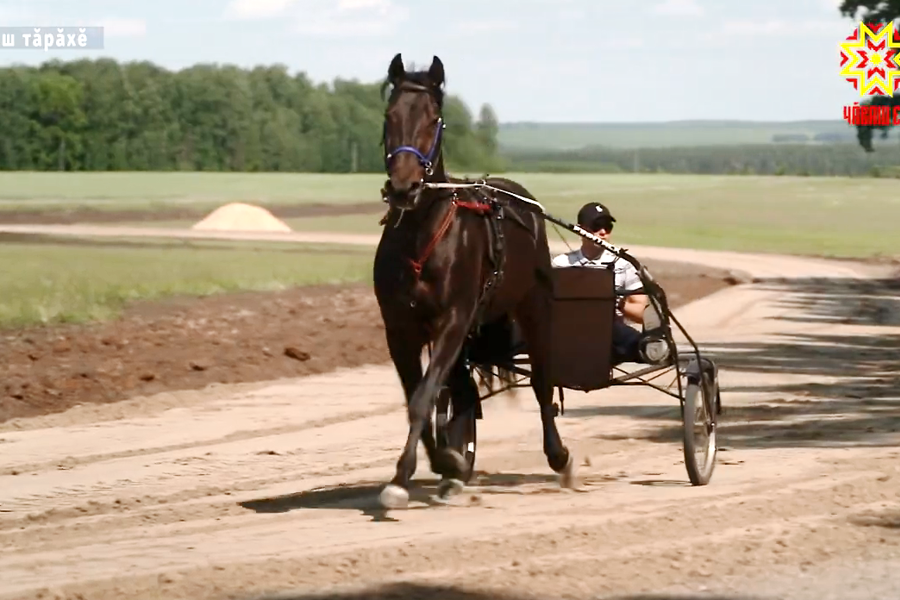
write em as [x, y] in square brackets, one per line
[404, 199]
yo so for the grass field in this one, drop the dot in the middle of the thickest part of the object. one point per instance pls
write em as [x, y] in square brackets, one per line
[805, 215]
[65, 282]
[148, 191]
[44, 282]
[570, 136]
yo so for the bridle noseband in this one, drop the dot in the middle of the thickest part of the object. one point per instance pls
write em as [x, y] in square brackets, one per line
[426, 160]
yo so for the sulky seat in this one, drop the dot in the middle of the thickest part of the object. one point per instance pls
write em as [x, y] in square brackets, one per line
[584, 308]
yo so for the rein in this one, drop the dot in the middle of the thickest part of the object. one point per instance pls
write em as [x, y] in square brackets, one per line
[427, 161]
[483, 185]
[455, 203]
[577, 229]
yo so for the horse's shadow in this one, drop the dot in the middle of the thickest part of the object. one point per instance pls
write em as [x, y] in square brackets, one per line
[364, 496]
[662, 483]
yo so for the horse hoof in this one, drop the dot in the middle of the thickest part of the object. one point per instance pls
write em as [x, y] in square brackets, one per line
[394, 497]
[568, 476]
[448, 488]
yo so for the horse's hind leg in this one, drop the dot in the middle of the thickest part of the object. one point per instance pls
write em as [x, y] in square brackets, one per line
[464, 400]
[533, 315]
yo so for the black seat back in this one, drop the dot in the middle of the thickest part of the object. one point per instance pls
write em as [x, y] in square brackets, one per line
[584, 309]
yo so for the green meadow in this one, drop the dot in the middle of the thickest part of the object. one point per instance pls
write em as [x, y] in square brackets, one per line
[848, 217]
[61, 282]
[47, 282]
[571, 136]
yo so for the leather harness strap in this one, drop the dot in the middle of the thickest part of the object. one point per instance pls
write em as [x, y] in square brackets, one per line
[478, 207]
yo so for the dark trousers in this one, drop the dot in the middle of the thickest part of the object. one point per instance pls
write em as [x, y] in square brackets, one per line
[625, 343]
[499, 341]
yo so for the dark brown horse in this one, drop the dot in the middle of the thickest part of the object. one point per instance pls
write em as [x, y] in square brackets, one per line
[453, 261]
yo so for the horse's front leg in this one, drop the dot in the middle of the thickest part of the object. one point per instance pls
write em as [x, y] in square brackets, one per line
[406, 353]
[452, 334]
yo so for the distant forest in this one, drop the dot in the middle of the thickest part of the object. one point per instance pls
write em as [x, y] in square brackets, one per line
[836, 159]
[102, 115]
[805, 148]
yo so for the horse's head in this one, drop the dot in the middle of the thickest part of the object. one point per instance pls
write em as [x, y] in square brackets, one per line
[412, 131]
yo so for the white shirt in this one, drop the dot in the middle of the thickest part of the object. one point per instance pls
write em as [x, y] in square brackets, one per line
[627, 277]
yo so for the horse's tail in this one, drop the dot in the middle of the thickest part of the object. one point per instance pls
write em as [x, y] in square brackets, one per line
[496, 380]
[507, 379]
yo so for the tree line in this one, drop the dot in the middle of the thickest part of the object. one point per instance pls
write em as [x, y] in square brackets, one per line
[829, 159]
[102, 115]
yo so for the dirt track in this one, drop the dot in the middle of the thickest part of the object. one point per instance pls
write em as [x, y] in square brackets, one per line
[188, 342]
[270, 488]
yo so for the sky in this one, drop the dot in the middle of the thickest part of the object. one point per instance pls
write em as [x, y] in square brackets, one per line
[531, 60]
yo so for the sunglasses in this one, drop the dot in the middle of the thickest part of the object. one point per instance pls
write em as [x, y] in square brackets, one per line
[599, 224]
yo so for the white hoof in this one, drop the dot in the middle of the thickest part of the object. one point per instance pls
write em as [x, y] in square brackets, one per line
[394, 497]
[568, 478]
[448, 488]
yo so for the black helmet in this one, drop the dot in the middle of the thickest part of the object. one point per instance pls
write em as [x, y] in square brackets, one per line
[593, 215]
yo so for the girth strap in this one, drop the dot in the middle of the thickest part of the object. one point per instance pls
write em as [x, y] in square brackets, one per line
[497, 255]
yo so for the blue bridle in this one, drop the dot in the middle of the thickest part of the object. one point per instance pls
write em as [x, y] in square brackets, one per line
[426, 160]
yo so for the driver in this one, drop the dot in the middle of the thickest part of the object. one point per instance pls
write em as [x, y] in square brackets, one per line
[596, 218]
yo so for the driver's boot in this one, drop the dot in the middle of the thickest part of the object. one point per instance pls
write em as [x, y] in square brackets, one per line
[653, 346]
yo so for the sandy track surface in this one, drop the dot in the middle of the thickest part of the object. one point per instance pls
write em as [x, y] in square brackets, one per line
[271, 488]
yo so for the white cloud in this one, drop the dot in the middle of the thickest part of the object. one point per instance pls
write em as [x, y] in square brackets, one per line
[678, 8]
[777, 27]
[256, 9]
[756, 28]
[350, 18]
[732, 32]
[17, 16]
[114, 27]
[363, 4]
[481, 27]
[628, 43]
[327, 18]
[572, 13]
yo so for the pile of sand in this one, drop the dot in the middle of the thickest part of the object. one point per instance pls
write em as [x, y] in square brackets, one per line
[238, 216]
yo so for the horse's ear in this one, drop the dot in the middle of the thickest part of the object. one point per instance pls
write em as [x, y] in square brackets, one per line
[436, 72]
[396, 71]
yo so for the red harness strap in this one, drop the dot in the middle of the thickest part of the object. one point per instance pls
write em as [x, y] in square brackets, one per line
[448, 218]
[478, 207]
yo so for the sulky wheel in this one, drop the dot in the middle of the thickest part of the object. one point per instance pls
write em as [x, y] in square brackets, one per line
[699, 416]
[462, 439]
